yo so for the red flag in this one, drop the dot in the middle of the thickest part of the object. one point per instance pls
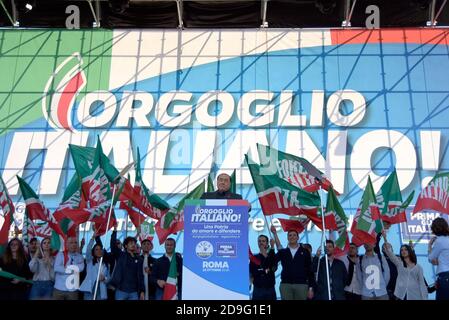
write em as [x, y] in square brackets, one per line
[253, 259]
[136, 218]
[298, 226]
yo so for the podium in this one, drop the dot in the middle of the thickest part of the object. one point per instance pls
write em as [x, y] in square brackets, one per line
[215, 265]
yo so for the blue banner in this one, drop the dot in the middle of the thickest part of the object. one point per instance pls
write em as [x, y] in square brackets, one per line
[215, 250]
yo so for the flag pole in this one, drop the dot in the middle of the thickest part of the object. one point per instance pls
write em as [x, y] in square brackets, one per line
[322, 245]
[109, 219]
[101, 259]
[126, 224]
[319, 258]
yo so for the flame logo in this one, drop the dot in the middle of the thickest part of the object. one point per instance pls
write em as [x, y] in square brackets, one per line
[61, 91]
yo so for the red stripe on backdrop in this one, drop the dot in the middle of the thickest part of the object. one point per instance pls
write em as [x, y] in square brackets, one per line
[415, 35]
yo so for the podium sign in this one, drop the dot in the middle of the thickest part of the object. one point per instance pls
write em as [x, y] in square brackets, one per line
[215, 250]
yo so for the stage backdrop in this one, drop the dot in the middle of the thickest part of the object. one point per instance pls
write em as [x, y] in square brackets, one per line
[353, 103]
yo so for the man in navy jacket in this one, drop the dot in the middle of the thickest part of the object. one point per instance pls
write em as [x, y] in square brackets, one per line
[297, 279]
[162, 266]
[128, 277]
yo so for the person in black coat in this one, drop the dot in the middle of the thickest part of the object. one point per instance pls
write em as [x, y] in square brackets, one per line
[162, 266]
[297, 279]
[223, 192]
[127, 278]
[262, 271]
[14, 261]
[338, 275]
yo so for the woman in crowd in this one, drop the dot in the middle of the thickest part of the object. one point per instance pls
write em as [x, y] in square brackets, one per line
[42, 265]
[93, 256]
[410, 284]
[14, 261]
[439, 255]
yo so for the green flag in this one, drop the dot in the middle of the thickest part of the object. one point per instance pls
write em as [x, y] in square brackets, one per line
[173, 220]
[389, 199]
[334, 209]
[278, 196]
[367, 223]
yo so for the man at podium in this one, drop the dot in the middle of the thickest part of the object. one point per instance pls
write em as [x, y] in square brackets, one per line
[223, 185]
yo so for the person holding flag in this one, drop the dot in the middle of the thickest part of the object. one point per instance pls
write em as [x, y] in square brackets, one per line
[337, 272]
[14, 262]
[410, 284]
[127, 276]
[93, 255]
[42, 265]
[262, 270]
[297, 280]
[167, 273]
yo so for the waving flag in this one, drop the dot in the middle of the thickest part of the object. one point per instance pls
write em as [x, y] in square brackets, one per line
[389, 199]
[36, 210]
[294, 224]
[147, 202]
[278, 196]
[435, 195]
[333, 207]
[8, 212]
[171, 285]
[146, 231]
[367, 223]
[173, 220]
[293, 169]
[136, 218]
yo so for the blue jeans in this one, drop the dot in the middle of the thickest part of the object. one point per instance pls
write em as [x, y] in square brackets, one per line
[443, 286]
[121, 295]
[41, 290]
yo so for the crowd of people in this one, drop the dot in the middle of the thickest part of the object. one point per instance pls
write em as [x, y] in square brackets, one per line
[126, 272]
[378, 274]
[130, 272]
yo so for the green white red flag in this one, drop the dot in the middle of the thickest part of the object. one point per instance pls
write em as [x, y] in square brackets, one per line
[39, 229]
[435, 196]
[294, 224]
[36, 210]
[73, 203]
[83, 158]
[334, 209]
[253, 258]
[147, 202]
[276, 195]
[136, 218]
[171, 285]
[389, 199]
[291, 168]
[146, 231]
[367, 222]
[173, 221]
[8, 215]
